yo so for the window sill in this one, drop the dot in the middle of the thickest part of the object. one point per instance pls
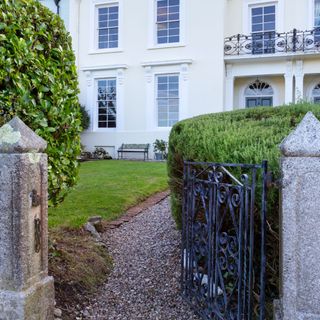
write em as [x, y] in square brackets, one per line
[166, 46]
[105, 51]
[104, 130]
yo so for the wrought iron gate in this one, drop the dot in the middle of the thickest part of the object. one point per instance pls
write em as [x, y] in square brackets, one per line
[223, 244]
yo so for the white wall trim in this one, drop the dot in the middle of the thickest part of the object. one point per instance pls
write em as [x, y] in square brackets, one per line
[92, 77]
[152, 32]
[105, 67]
[93, 25]
[246, 13]
[166, 63]
[151, 106]
[242, 100]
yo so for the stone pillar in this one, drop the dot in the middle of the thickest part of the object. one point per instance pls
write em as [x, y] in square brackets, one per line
[300, 222]
[26, 291]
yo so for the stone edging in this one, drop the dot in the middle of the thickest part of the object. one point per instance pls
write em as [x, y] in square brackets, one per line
[134, 211]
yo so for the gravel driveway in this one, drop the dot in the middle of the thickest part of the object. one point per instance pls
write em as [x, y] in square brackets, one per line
[145, 281]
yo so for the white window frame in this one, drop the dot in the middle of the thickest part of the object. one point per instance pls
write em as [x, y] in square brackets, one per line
[92, 77]
[152, 69]
[152, 37]
[248, 5]
[97, 102]
[156, 95]
[95, 5]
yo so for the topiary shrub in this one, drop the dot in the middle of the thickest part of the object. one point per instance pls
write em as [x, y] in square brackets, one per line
[38, 82]
[244, 136]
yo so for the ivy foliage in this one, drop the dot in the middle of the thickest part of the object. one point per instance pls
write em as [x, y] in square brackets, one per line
[38, 82]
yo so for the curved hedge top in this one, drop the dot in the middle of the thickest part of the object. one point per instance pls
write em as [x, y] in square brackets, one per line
[38, 82]
[244, 136]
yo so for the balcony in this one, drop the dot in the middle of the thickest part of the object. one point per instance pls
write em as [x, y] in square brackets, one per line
[273, 43]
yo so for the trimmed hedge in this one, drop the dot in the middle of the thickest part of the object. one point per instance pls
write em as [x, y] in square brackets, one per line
[38, 82]
[243, 136]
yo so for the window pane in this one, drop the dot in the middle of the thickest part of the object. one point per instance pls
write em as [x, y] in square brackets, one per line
[106, 103]
[257, 27]
[168, 16]
[256, 11]
[108, 21]
[257, 19]
[269, 9]
[167, 99]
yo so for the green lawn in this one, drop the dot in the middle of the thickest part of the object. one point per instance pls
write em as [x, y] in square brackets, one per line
[108, 188]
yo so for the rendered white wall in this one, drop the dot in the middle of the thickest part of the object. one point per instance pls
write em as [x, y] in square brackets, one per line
[199, 61]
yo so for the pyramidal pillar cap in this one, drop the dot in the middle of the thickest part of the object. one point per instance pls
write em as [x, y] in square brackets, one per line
[304, 141]
[16, 137]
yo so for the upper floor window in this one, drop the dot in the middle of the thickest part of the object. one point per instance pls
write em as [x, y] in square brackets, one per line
[107, 103]
[167, 99]
[108, 27]
[263, 27]
[168, 21]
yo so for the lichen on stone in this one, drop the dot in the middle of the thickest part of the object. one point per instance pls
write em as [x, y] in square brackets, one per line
[34, 157]
[8, 135]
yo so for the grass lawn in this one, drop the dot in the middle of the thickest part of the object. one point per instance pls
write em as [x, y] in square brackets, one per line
[107, 188]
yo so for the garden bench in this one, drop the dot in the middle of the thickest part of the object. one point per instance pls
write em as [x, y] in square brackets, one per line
[134, 148]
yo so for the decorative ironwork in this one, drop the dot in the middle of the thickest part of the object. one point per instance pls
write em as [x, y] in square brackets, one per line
[273, 42]
[37, 235]
[258, 88]
[222, 270]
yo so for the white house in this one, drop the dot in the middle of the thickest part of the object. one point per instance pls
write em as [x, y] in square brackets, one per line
[145, 64]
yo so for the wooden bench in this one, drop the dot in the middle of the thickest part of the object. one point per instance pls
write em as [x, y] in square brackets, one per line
[134, 148]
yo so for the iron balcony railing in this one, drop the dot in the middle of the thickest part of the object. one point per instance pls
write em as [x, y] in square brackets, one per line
[273, 42]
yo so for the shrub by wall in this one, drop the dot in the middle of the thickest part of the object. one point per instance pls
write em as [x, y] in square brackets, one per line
[38, 82]
[244, 136]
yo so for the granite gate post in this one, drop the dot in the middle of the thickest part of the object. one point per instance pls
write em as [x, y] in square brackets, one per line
[26, 290]
[300, 222]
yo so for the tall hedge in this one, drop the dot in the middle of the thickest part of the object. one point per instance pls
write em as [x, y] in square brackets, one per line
[38, 82]
[244, 136]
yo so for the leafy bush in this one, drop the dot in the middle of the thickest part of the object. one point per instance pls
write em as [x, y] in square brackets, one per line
[38, 82]
[100, 153]
[244, 136]
[85, 118]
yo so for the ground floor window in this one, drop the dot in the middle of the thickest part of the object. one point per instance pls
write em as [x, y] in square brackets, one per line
[167, 99]
[107, 103]
[258, 93]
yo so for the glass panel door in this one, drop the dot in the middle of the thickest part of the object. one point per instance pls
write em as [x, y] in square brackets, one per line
[263, 26]
[259, 102]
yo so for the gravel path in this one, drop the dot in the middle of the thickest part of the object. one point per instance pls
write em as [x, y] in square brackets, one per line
[145, 281]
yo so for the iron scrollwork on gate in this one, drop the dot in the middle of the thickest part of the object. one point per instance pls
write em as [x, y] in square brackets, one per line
[223, 244]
